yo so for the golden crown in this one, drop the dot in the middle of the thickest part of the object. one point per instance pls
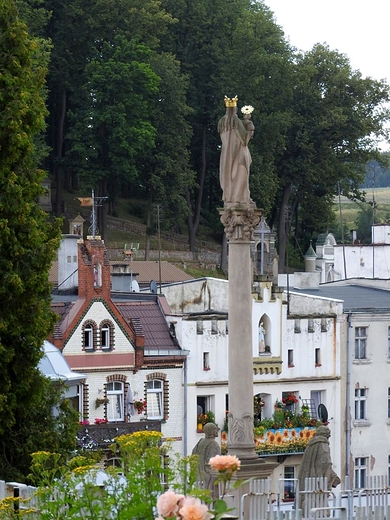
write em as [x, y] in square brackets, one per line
[231, 102]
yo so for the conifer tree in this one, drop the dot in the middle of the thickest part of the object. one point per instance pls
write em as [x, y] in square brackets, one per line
[28, 243]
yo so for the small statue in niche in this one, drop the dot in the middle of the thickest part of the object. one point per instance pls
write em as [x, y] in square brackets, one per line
[261, 338]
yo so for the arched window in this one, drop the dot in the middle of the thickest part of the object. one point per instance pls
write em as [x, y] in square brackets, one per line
[89, 335]
[155, 399]
[106, 335]
[115, 405]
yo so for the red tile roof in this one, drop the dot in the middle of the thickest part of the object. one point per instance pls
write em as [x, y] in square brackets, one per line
[148, 315]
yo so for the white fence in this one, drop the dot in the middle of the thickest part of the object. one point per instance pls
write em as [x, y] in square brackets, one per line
[261, 503]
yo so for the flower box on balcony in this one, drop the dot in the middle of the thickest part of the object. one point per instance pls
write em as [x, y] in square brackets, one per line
[283, 441]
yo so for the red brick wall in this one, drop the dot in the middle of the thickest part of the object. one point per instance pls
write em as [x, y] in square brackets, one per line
[93, 255]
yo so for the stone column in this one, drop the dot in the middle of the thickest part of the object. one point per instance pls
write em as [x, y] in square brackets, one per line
[239, 221]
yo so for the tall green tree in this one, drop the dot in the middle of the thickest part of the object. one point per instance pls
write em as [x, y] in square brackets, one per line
[165, 173]
[229, 48]
[112, 127]
[337, 118]
[28, 244]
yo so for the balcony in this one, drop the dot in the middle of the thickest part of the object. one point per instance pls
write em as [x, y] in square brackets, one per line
[287, 432]
[283, 441]
[95, 436]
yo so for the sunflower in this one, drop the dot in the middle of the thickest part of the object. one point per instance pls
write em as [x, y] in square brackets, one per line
[285, 433]
[293, 434]
[224, 436]
[271, 438]
[278, 439]
[301, 434]
[307, 434]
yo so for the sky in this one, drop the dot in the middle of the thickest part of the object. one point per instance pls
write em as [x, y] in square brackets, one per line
[357, 28]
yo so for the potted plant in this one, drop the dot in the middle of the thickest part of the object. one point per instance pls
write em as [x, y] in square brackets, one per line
[140, 406]
[279, 405]
[289, 399]
[100, 400]
[204, 418]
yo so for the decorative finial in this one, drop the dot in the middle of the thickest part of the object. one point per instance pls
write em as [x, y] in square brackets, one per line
[231, 102]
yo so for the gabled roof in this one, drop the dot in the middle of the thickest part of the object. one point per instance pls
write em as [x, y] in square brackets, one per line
[149, 316]
[144, 315]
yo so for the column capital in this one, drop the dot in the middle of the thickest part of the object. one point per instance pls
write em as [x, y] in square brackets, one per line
[240, 221]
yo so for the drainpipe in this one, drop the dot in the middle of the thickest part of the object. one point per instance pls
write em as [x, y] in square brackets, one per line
[185, 407]
[348, 417]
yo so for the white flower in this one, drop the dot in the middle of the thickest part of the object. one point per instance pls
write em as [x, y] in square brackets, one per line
[247, 109]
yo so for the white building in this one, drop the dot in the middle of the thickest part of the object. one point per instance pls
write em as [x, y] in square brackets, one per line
[296, 348]
[365, 407]
[362, 261]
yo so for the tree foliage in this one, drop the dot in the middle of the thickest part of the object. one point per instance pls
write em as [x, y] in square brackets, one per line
[28, 243]
[337, 117]
[113, 118]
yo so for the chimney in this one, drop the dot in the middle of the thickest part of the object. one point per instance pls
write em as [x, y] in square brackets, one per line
[94, 269]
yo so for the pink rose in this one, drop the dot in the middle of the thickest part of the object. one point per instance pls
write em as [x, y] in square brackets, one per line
[228, 463]
[168, 504]
[193, 509]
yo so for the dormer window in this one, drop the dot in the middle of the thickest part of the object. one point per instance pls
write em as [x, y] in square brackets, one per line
[106, 335]
[89, 336]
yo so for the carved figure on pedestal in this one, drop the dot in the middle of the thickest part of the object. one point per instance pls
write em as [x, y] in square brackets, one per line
[316, 462]
[235, 157]
[205, 449]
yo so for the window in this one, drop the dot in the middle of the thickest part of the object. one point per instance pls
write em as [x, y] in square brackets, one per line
[310, 407]
[290, 357]
[154, 399]
[214, 326]
[206, 361]
[388, 403]
[297, 326]
[388, 470]
[199, 327]
[317, 356]
[76, 400]
[89, 335]
[204, 403]
[388, 342]
[360, 472]
[310, 325]
[115, 407]
[324, 326]
[360, 403]
[360, 342]
[106, 336]
[289, 483]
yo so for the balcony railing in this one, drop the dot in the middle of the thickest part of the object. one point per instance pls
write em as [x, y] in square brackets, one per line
[283, 441]
[94, 436]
